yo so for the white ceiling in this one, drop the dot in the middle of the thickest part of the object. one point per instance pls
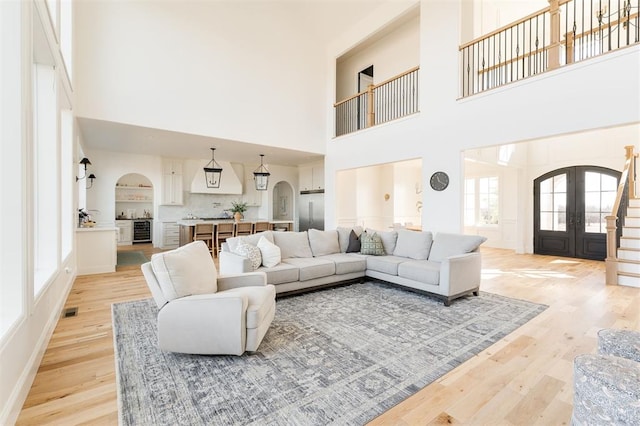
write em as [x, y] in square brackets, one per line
[317, 19]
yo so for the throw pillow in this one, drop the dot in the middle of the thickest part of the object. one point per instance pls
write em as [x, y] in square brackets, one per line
[292, 244]
[371, 243]
[252, 239]
[270, 253]
[447, 245]
[354, 243]
[413, 244]
[343, 236]
[185, 271]
[389, 239]
[250, 252]
[323, 242]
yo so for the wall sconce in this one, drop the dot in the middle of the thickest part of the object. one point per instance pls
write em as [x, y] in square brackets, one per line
[261, 176]
[85, 162]
[212, 172]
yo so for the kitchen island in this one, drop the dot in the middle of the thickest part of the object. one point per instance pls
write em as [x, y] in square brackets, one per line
[97, 250]
[187, 226]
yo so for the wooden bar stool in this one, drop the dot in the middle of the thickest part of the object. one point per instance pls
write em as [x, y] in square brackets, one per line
[243, 228]
[204, 232]
[223, 231]
[260, 227]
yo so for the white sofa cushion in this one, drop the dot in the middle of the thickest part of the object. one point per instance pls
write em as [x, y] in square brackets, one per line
[251, 252]
[385, 264]
[413, 244]
[422, 271]
[292, 244]
[447, 245]
[323, 242]
[312, 267]
[249, 239]
[281, 273]
[270, 252]
[348, 263]
[185, 271]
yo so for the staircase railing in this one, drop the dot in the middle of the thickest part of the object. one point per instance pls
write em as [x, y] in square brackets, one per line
[628, 177]
[562, 33]
[394, 98]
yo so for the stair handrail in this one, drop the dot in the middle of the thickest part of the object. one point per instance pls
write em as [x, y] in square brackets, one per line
[628, 174]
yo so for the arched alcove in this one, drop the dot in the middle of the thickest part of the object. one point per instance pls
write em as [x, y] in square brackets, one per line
[282, 201]
[134, 197]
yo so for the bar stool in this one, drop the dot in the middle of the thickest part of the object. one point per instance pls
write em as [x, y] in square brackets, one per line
[223, 231]
[243, 228]
[204, 232]
[260, 227]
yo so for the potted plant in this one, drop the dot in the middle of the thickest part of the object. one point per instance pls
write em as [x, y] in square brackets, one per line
[238, 207]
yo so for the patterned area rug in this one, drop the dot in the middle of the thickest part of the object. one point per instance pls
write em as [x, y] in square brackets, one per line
[341, 356]
[126, 258]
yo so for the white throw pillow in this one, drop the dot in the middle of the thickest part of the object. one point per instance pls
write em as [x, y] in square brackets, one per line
[292, 244]
[185, 271]
[323, 242]
[250, 252]
[270, 253]
[413, 244]
[252, 239]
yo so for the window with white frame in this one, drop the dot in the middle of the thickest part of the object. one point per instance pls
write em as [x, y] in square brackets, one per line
[12, 222]
[45, 176]
[481, 201]
[67, 211]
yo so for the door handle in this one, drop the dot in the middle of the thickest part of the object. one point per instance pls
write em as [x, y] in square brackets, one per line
[579, 217]
[571, 220]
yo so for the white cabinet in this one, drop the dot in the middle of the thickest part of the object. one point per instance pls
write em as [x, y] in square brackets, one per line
[170, 235]
[171, 182]
[96, 250]
[125, 232]
[311, 177]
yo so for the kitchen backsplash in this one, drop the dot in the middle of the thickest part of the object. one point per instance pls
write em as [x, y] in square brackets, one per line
[200, 205]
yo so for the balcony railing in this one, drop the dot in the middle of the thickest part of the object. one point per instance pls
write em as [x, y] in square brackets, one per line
[392, 99]
[565, 32]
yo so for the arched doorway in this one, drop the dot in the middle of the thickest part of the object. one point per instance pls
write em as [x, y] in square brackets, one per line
[570, 205]
[282, 201]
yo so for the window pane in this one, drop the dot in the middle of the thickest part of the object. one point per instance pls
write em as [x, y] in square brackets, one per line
[560, 203]
[546, 186]
[592, 202]
[560, 183]
[609, 183]
[608, 198]
[591, 181]
[560, 222]
[546, 221]
[546, 202]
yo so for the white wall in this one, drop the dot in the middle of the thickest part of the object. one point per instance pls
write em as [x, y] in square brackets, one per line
[234, 70]
[551, 104]
[391, 55]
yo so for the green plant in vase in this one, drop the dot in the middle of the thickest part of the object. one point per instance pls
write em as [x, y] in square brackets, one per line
[238, 208]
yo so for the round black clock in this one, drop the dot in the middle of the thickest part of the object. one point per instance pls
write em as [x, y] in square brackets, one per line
[439, 181]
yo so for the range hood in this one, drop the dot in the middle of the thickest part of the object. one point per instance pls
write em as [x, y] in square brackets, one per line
[229, 181]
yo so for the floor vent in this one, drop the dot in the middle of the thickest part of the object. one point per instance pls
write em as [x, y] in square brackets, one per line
[70, 312]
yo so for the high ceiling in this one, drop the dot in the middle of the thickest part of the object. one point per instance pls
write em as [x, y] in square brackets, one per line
[319, 20]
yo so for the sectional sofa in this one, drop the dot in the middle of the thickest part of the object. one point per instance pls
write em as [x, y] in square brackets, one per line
[447, 266]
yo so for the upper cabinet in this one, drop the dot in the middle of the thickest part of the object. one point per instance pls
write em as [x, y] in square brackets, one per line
[311, 178]
[171, 182]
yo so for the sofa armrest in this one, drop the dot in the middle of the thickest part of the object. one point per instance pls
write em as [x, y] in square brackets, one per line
[231, 263]
[461, 273]
[249, 279]
[204, 324]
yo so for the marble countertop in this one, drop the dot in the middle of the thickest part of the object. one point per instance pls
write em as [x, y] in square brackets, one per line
[192, 222]
[97, 229]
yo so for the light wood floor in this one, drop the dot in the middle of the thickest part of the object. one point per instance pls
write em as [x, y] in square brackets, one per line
[526, 378]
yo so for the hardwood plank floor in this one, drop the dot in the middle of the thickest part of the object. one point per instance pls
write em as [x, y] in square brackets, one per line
[525, 378]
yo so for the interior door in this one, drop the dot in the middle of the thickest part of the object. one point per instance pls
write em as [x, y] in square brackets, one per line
[570, 206]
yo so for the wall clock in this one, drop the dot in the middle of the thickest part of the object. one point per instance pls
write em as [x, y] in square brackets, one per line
[439, 181]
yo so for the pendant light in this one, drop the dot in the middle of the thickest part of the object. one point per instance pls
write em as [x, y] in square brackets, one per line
[212, 172]
[261, 176]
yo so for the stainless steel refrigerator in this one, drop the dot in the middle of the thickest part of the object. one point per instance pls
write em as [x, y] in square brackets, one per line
[311, 213]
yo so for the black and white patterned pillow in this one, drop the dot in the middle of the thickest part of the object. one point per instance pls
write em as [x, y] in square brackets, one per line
[251, 252]
[371, 243]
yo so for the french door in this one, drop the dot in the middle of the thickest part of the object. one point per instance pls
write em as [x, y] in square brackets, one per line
[570, 206]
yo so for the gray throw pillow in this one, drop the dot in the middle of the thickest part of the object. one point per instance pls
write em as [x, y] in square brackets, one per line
[371, 243]
[354, 243]
[344, 235]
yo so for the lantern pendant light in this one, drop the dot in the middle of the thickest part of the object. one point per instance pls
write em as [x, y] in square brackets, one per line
[261, 176]
[213, 172]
